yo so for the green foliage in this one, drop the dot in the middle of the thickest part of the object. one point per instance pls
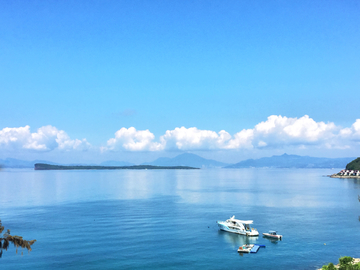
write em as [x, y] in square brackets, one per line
[345, 262]
[330, 266]
[354, 165]
[17, 241]
[350, 267]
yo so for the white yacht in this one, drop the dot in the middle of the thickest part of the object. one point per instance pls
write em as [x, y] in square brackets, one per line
[238, 226]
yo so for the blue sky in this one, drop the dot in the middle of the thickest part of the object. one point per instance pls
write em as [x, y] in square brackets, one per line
[135, 80]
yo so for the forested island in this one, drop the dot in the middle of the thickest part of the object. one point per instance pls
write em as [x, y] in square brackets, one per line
[43, 166]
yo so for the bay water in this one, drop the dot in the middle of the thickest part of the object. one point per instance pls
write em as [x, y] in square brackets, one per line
[166, 219]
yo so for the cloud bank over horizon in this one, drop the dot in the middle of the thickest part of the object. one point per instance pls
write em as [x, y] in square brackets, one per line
[47, 138]
[275, 133]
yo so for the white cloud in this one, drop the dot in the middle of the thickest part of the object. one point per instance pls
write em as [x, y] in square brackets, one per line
[65, 143]
[352, 133]
[242, 139]
[194, 139]
[14, 137]
[279, 130]
[276, 132]
[45, 139]
[133, 140]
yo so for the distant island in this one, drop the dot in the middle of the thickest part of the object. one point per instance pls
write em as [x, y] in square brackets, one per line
[352, 170]
[43, 166]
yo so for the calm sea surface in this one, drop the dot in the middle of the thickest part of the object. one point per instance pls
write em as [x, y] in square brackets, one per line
[166, 219]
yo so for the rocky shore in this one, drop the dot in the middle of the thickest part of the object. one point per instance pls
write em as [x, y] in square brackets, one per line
[344, 176]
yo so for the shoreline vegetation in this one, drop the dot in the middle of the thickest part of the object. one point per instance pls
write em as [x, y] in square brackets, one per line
[44, 166]
[16, 240]
[354, 165]
[345, 263]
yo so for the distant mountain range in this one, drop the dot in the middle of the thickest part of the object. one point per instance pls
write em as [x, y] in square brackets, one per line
[187, 159]
[293, 161]
[17, 163]
[116, 163]
[192, 160]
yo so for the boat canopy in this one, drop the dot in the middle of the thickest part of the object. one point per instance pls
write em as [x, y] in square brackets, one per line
[241, 221]
[272, 231]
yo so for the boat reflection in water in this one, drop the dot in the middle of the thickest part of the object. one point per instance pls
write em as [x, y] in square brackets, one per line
[236, 240]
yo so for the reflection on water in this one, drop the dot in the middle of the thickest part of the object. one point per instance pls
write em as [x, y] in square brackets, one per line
[236, 240]
[166, 219]
[271, 240]
[245, 188]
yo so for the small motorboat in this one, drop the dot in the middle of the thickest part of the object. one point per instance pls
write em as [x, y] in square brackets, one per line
[245, 248]
[273, 235]
[249, 248]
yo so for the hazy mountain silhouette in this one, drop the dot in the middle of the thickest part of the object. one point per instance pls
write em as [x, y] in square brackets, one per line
[293, 161]
[116, 163]
[17, 163]
[187, 159]
[192, 160]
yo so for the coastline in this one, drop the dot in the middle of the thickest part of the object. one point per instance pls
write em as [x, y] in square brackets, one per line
[356, 260]
[344, 176]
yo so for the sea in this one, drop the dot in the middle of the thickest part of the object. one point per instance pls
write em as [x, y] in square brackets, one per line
[166, 219]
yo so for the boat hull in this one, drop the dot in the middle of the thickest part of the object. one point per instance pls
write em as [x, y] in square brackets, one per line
[278, 237]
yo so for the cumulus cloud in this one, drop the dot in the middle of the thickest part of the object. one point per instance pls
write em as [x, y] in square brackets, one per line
[45, 139]
[14, 137]
[133, 140]
[279, 130]
[352, 133]
[275, 132]
[242, 139]
[193, 139]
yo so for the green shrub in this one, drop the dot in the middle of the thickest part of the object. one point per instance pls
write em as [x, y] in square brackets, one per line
[330, 266]
[345, 263]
